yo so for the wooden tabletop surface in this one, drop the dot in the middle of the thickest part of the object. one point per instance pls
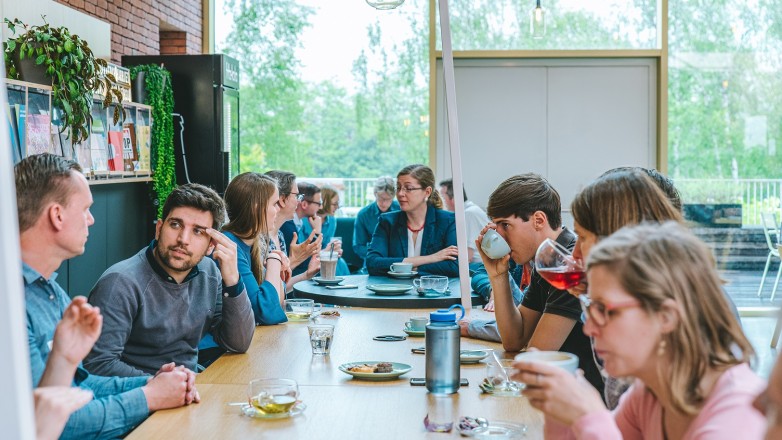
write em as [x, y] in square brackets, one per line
[337, 406]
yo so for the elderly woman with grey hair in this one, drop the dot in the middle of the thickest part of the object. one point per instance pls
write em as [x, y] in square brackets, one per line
[366, 220]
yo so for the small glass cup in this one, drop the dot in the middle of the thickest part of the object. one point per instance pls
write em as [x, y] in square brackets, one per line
[321, 338]
[301, 309]
[500, 385]
[273, 396]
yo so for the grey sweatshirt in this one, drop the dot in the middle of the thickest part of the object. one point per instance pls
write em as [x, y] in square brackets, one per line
[149, 321]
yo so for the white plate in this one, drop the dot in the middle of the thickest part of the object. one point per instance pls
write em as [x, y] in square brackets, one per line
[472, 356]
[250, 411]
[499, 430]
[389, 289]
[324, 282]
[402, 275]
[398, 370]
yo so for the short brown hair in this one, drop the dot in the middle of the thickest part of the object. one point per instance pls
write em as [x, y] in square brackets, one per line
[657, 262]
[41, 179]
[200, 197]
[621, 198]
[425, 177]
[522, 196]
[284, 180]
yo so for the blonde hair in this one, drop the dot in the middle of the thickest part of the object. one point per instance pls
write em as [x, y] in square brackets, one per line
[621, 198]
[425, 177]
[246, 198]
[658, 262]
[327, 196]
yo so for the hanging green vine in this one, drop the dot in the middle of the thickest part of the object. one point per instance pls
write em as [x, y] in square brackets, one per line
[160, 96]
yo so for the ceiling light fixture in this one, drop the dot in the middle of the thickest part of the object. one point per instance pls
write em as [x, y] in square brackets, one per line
[384, 4]
[537, 24]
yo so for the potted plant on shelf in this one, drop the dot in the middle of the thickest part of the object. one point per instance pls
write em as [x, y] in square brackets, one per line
[70, 66]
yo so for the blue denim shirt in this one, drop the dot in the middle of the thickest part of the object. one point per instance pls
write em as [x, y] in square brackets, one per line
[119, 404]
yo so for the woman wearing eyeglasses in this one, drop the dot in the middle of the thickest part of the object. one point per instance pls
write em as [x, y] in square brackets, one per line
[252, 203]
[422, 233]
[657, 313]
[298, 253]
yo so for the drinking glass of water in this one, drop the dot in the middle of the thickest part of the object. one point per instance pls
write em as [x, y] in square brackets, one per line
[321, 336]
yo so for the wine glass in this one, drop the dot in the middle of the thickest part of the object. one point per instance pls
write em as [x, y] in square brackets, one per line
[557, 266]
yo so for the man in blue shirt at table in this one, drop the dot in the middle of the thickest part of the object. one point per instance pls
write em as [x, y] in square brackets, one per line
[54, 200]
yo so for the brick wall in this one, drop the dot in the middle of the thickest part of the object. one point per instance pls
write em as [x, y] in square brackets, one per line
[173, 43]
[135, 25]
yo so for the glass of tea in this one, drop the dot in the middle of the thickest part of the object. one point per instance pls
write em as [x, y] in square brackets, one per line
[557, 266]
[273, 396]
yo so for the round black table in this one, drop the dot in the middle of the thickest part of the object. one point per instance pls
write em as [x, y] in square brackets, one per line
[363, 297]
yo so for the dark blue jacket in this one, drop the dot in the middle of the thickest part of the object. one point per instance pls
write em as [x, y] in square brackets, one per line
[389, 242]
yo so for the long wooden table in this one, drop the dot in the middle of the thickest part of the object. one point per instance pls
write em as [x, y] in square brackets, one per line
[338, 406]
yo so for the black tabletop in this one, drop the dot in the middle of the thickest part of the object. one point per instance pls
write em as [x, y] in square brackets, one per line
[363, 297]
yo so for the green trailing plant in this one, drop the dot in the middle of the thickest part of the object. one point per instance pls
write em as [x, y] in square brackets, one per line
[76, 73]
[160, 96]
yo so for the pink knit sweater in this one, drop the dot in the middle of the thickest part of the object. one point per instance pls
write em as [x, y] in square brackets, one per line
[726, 414]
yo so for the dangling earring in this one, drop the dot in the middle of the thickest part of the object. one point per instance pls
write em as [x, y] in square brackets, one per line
[661, 348]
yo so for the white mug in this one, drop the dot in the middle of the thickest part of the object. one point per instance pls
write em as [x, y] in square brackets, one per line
[493, 245]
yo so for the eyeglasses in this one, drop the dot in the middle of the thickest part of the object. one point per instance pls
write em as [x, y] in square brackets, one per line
[299, 196]
[600, 312]
[314, 202]
[278, 204]
[407, 189]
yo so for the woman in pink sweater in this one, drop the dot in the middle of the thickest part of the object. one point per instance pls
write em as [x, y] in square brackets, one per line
[657, 313]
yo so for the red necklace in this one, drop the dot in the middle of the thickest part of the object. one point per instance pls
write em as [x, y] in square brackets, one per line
[415, 230]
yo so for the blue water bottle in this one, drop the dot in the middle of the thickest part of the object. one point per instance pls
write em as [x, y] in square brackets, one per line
[442, 351]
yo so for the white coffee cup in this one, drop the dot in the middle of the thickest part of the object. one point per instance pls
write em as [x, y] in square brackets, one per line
[417, 323]
[402, 267]
[493, 245]
[561, 359]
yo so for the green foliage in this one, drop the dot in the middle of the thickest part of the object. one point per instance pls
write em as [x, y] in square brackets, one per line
[265, 37]
[160, 95]
[76, 73]
[724, 69]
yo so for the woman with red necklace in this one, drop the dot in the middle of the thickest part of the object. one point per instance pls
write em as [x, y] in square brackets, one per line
[422, 233]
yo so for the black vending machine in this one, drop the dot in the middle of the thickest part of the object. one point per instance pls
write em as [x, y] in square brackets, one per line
[206, 94]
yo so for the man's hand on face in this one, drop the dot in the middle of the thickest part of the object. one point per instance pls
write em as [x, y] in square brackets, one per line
[225, 254]
[494, 268]
[316, 222]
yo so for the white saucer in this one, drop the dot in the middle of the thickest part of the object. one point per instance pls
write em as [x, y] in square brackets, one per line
[402, 275]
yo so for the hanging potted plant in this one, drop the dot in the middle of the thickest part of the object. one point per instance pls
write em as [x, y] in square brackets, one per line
[66, 62]
[160, 96]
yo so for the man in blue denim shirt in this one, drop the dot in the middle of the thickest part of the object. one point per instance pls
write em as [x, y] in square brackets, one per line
[54, 202]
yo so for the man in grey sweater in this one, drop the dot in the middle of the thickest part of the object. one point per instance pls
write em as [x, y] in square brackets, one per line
[159, 303]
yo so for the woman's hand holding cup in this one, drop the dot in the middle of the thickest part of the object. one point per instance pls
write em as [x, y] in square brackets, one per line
[552, 386]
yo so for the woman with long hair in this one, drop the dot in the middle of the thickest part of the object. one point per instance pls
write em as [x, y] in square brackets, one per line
[422, 233]
[657, 313]
[252, 202]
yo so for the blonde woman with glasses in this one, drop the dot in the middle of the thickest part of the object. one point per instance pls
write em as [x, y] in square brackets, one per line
[422, 233]
[657, 313]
